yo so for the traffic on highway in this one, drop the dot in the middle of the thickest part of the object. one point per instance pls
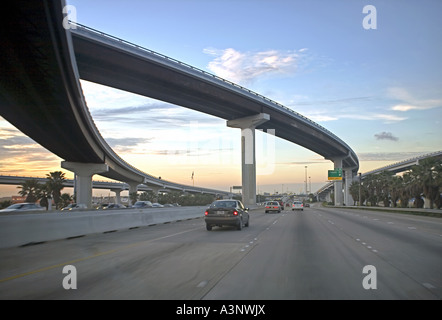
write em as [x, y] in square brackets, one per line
[317, 253]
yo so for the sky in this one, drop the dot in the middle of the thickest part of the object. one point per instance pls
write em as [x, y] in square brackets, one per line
[373, 77]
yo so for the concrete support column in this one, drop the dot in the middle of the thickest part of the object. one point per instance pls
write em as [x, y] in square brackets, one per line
[328, 197]
[338, 184]
[348, 199]
[155, 191]
[117, 195]
[133, 187]
[427, 203]
[248, 160]
[84, 173]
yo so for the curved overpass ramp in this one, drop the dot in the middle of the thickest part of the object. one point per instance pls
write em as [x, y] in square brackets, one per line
[41, 95]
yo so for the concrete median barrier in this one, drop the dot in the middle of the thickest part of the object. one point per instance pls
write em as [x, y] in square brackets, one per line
[27, 228]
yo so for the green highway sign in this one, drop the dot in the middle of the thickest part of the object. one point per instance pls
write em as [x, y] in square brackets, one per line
[335, 174]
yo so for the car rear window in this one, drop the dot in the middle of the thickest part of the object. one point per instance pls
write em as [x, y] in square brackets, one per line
[223, 204]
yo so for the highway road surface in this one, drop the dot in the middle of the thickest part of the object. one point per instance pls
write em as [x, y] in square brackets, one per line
[319, 253]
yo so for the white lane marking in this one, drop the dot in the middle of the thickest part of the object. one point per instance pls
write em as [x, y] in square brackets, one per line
[366, 245]
[202, 284]
[412, 228]
[428, 285]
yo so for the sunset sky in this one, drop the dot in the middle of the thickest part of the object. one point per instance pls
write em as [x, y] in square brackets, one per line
[379, 90]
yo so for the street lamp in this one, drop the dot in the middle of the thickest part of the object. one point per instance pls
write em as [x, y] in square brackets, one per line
[306, 191]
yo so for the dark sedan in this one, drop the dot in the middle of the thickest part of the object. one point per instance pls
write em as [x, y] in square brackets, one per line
[227, 213]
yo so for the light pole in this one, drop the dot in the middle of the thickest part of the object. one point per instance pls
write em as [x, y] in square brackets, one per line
[306, 192]
[360, 181]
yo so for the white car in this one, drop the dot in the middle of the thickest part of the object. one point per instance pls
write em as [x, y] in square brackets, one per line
[272, 206]
[297, 205]
[27, 206]
[75, 206]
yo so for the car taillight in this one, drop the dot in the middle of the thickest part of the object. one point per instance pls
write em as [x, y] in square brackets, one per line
[302, 205]
[206, 213]
[235, 213]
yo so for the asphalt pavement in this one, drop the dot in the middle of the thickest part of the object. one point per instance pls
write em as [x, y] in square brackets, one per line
[318, 253]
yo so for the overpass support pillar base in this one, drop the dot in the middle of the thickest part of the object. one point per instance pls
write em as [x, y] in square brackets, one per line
[348, 199]
[338, 184]
[133, 188]
[83, 182]
[155, 191]
[117, 195]
[248, 162]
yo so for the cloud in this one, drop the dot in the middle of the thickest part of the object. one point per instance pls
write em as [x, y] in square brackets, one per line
[408, 102]
[245, 67]
[155, 115]
[21, 155]
[354, 108]
[386, 136]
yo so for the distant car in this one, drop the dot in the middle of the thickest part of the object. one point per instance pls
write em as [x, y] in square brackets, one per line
[142, 204]
[306, 205]
[227, 213]
[272, 206]
[75, 206]
[157, 205]
[297, 205]
[169, 205]
[112, 206]
[19, 207]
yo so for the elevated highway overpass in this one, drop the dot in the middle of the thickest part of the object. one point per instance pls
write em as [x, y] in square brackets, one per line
[41, 95]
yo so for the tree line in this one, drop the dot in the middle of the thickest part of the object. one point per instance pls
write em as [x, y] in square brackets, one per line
[44, 192]
[422, 181]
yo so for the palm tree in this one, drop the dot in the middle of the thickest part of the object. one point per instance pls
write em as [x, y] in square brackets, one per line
[371, 184]
[55, 181]
[354, 191]
[65, 199]
[44, 195]
[396, 186]
[427, 177]
[405, 194]
[30, 189]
